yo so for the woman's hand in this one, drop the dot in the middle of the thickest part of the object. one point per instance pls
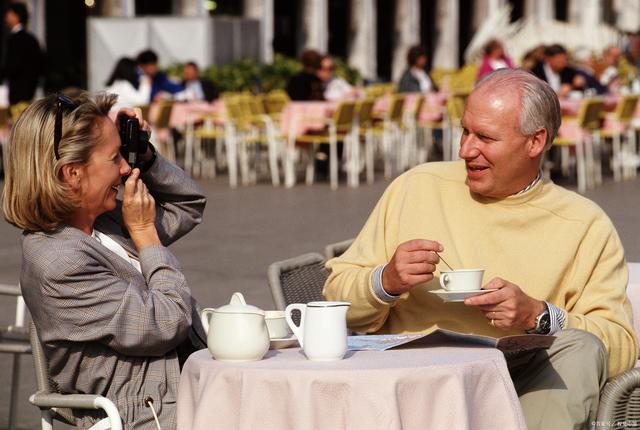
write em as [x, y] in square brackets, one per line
[144, 125]
[139, 212]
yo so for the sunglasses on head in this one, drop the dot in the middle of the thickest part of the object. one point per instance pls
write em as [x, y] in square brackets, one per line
[62, 102]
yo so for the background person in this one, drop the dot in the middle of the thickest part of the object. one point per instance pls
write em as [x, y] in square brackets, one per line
[553, 256]
[494, 58]
[197, 87]
[335, 87]
[555, 69]
[415, 79]
[110, 303]
[160, 82]
[123, 81]
[306, 85]
[23, 61]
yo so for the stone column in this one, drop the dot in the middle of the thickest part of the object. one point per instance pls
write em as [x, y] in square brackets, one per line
[628, 12]
[407, 32]
[189, 8]
[263, 11]
[119, 8]
[446, 52]
[484, 9]
[587, 13]
[363, 52]
[316, 25]
[37, 21]
[540, 10]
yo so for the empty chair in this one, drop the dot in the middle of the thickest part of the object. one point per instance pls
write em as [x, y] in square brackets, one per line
[297, 280]
[55, 405]
[14, 340]
[337, 249]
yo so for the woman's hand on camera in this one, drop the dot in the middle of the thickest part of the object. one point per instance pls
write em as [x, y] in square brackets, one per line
[144, 125]
[139, 212]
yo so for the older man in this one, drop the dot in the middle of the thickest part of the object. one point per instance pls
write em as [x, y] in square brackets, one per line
[552, 256]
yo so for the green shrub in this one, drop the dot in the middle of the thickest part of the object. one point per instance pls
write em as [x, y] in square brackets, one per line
[245, 74]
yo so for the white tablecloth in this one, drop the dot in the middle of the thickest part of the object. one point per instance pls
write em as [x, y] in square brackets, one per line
[429, 388]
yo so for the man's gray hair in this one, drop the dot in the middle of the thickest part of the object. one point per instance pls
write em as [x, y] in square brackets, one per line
[540, 105]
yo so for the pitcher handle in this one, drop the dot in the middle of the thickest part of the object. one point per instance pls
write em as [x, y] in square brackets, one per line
[297, 330]
[205, 315]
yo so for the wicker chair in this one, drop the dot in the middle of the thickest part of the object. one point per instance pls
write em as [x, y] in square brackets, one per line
[55, 405]
[620, 399]
[297, 280]
[337, 249]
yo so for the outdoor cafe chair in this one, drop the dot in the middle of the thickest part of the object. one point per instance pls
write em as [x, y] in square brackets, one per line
[162, 130]
[339, 128]
[297, 280]
[622, 158]
[14, 340]
[586, 143]
[337, 249]
[58, 406]
[390, 129]
[363, 132]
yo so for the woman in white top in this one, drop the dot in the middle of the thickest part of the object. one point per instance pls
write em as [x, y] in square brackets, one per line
[415, 79]
[123, 81]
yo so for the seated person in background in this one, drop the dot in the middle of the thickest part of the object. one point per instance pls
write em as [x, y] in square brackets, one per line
[585, 78]
[555, 70]
[197, 87]
[494, 58]
[110, 303]
[532, 57]
[553, 256]
[306, 85]
[335, 88]
[160, 82]
[415, 79]
[123, 81]
[610, 76]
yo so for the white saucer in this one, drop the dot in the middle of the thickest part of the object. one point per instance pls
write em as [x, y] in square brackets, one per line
[285, 342]
[457, 296]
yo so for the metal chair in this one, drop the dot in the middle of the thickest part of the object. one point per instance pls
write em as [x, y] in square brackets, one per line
[55, 405]
[620, 398]
[14, 339]
[337, 249]
[297, 280]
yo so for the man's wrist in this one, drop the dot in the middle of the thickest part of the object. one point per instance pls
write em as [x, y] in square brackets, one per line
[378, 289]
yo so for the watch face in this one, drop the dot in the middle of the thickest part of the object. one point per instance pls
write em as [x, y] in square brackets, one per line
[544, 324]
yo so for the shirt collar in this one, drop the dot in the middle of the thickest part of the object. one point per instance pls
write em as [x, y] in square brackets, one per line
[531, 184]
[16, 28]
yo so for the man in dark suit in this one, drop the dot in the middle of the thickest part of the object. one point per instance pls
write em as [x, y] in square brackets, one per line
[555, 69]
[23, 59]
[160, 82]
[199, 88]
[306, 85]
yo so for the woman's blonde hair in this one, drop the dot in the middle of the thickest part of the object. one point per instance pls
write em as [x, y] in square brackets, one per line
[35, 197]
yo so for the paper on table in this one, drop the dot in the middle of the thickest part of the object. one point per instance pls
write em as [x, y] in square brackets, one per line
[510, 345]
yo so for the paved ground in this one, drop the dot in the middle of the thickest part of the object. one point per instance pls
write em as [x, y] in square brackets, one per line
[246, 229]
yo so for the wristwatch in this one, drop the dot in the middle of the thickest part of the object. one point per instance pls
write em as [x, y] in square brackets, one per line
[543, 323]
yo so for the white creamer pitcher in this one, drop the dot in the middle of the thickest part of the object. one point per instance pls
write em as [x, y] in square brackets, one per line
[237, 331]
[323, 329]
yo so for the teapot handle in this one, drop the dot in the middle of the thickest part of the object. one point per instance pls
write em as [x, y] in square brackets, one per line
[297, 330]
[205, 316]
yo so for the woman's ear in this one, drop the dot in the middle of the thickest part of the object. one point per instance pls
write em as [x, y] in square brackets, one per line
[71, 175]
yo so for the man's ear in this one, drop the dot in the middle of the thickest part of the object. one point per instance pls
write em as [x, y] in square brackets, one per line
[71, 175]
[537, 143]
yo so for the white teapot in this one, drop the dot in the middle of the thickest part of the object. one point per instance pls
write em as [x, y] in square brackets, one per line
[237, 331]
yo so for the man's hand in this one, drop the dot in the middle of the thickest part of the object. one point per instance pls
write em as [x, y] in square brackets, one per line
[139, 212]
[413, 263]
[509, 307]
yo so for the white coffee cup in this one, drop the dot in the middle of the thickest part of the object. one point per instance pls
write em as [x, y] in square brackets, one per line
[277, 325]
[322, 332]
[462, 280]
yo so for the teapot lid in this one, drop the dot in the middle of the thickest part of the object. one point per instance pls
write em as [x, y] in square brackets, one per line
[237, 305]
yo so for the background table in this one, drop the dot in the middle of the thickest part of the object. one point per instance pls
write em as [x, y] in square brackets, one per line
[429, 388]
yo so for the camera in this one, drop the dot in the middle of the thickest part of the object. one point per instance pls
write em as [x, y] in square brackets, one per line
[134, 141]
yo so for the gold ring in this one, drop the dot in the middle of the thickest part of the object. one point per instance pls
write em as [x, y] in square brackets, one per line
[492, 323]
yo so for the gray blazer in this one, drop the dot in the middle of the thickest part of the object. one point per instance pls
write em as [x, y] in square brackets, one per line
[107, 328]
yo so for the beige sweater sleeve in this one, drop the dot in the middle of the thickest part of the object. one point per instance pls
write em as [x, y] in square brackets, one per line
[602, 307]
[350, 274]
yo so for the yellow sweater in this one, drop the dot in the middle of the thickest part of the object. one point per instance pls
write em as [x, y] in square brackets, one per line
[554, 244]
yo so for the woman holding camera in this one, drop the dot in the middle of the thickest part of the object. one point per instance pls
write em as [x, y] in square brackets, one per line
[111, 306]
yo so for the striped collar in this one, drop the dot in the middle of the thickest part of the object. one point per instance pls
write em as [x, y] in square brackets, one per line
[531, 184]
